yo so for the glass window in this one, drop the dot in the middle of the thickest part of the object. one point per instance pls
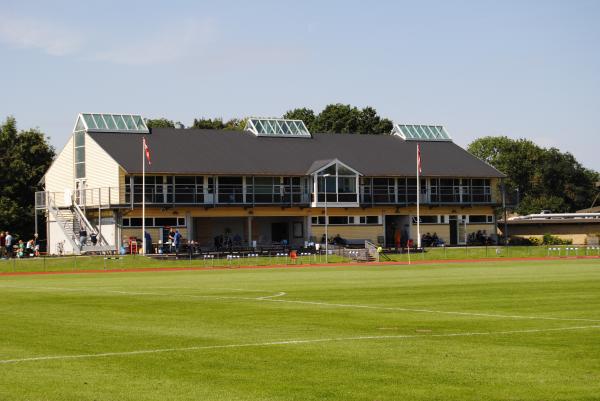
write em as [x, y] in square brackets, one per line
[129, 122]
[347, 185]
[99, 121]
[328, 170]
[165, 221]
[110, 123]
[372, 220]
[79, 126]
[89, 121]
[79, 155]
[119, 121]
[345, 171]
[79, 138]
[338, 219]
[80, 170]
[477, 219]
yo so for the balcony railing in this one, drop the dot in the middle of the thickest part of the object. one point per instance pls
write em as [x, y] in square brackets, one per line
[169, 194]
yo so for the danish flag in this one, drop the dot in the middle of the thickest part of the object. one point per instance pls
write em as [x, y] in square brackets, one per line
[419, 157]
[147, 150]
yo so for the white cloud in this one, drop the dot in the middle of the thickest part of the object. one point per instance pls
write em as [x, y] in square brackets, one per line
[169, 44]
[31, 33]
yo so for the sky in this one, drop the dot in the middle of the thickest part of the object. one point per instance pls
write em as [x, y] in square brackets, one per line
[524, 69]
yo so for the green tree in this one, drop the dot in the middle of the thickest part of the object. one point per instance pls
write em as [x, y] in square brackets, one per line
[545, 178]
[342, 118]
[160, 123]
[24, 158]
[304, 114]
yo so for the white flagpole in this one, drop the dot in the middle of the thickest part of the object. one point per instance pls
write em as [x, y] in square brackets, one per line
[418, 199]
[143, 195]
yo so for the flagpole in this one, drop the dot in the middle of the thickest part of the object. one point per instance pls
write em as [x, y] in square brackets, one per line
[143, 196]
[418, 197]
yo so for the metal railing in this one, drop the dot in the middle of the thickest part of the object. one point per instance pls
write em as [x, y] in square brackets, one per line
[280, 194]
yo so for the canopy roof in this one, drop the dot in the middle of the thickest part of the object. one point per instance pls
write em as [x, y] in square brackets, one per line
[421, 132]
[103, 122]
[277, 127]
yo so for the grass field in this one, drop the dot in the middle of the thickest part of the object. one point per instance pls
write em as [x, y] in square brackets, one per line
[527, 330]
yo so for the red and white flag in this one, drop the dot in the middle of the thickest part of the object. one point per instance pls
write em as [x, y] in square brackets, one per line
[147, 150]
[419, 157]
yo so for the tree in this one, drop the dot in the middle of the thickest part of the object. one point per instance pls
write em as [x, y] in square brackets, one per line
[304, 114]
[545, 178]
[235, 124]
[24, 158]
[342, 118]
[160, 123]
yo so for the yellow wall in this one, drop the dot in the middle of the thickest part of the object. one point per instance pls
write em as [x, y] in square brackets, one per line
[368, 232]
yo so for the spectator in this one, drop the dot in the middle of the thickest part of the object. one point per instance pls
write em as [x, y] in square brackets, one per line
[82, 238]
[148, 239]
[2, 244]
[21, 249]
[8, 245]
[94, 238]
[171, 239]
[177, 241]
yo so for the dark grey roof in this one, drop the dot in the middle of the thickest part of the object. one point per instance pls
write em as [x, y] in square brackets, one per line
[199, 151]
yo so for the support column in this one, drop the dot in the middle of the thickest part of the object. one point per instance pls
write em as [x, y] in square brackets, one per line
[249, 231]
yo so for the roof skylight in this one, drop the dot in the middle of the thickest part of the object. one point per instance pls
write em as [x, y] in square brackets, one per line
[277, 127]
[111, 123]
[421, 132]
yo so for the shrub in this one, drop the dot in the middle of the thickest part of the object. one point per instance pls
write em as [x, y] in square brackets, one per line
[550, 239]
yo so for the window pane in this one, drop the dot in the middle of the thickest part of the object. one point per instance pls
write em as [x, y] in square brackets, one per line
[345, 171]
[120, 123]
[346, 185]
[129, 122]
[80, 170]
[372, 220]
[79, 138]
[99, 121]
[338, 219]
[79, 155]
[89, 121]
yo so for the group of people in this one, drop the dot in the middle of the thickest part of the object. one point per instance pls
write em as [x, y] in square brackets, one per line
[10, 247]
[480, 237]
[431, 240]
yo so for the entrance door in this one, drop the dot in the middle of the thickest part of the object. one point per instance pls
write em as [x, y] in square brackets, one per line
[453, 230]
[279, 232]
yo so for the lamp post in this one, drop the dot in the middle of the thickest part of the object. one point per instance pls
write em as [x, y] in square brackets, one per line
[326, 219]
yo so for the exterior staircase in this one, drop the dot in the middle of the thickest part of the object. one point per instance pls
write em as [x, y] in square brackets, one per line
[71, 220]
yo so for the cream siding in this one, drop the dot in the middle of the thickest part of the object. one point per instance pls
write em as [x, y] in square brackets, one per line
[60, 174]
[102, 173]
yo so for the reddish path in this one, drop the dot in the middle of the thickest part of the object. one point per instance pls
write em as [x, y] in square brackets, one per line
[387, 263]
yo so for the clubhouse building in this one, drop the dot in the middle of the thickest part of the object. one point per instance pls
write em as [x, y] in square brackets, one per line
[274, 183]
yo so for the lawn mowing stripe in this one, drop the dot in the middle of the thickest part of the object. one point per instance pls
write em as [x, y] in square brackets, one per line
[287, 342]
[316, 303]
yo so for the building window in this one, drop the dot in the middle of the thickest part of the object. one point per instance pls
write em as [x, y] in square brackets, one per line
[333, 220]
[154, 222]
[481, 219]
[340, 184]
[426, 219]
[79, 157]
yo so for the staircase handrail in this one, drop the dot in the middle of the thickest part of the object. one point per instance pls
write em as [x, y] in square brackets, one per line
[53, 210]
[88, 225]
[372, 249]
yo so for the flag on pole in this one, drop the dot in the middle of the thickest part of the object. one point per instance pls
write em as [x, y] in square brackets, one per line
[419, 157]
[147, 150]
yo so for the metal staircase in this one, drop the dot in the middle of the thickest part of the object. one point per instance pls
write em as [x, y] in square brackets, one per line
[71, 220]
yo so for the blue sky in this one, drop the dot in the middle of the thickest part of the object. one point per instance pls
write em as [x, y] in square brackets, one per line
[518, 68]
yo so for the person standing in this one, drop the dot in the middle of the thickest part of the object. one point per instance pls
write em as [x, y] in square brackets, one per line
[2, 244]
[8, 244]
[82, 238]
[177, 241]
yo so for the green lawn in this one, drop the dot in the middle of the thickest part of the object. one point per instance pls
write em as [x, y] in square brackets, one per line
[480, 331]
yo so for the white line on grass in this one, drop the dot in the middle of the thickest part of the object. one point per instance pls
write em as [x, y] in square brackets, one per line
[287, 342]
[317, 303]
